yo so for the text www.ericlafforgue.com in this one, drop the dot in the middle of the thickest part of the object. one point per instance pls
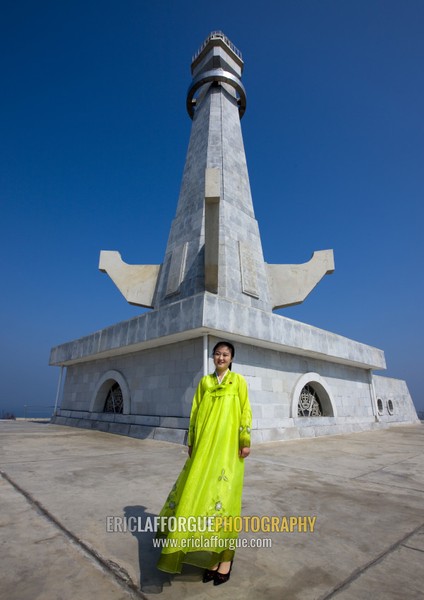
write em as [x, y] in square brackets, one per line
[212, 542]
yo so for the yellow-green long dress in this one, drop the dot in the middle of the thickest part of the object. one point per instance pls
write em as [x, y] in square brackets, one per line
[211, 481]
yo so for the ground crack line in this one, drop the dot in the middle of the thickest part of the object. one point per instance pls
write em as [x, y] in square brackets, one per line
[398, 462]
[358, 572]
[118, 573]
[412, 548]
[336, 475]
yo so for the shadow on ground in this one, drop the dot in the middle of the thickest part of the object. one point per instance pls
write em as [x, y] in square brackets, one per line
[152, 580]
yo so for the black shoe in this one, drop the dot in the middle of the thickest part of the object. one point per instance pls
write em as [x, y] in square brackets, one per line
[222, 577]
[208, 575]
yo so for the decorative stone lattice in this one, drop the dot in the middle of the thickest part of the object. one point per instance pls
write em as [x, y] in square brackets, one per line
[114, 402]
[309, 404]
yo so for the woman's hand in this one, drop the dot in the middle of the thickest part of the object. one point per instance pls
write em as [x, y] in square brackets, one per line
[244, 452]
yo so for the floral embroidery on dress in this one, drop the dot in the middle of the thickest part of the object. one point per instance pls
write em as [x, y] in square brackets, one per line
[223, 476]
[216, 506]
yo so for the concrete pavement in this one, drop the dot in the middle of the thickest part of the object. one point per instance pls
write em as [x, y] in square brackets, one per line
[59, 485]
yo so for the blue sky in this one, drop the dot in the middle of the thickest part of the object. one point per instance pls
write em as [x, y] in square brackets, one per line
[93, 141]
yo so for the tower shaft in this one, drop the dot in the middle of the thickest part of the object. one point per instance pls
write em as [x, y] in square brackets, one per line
[214, 243]
[216, 144]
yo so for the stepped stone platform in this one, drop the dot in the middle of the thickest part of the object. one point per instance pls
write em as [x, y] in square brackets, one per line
[58, 485]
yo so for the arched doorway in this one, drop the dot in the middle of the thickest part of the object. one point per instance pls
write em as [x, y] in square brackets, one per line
[112, 394]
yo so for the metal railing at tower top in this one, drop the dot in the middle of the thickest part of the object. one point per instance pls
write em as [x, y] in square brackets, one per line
[217, 35]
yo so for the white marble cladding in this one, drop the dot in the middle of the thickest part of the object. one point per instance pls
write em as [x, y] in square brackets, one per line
[209, 313]
[188, 224]
[129, 336]
[394, 390]
[161, 381]
[215, 142]
[225, 60]
[288, 335]
[272, 377]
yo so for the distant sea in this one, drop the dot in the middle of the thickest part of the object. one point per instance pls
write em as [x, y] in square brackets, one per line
[30, 412]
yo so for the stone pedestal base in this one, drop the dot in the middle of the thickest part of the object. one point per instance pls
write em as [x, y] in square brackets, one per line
[158, 382]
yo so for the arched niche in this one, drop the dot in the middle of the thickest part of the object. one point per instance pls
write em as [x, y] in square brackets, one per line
[322, 389]
[104, 385]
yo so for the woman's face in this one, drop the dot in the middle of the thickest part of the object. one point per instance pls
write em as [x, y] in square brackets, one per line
[222, 358]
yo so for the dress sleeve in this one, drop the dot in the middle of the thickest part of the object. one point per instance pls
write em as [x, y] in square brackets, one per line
[193, 415]
[246, 415]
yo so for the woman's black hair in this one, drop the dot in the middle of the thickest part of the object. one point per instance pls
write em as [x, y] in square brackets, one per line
[229, 346]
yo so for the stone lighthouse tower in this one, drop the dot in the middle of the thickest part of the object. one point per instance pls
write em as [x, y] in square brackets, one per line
[138, 377]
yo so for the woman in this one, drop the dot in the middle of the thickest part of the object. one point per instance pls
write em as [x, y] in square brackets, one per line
[209, 487]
